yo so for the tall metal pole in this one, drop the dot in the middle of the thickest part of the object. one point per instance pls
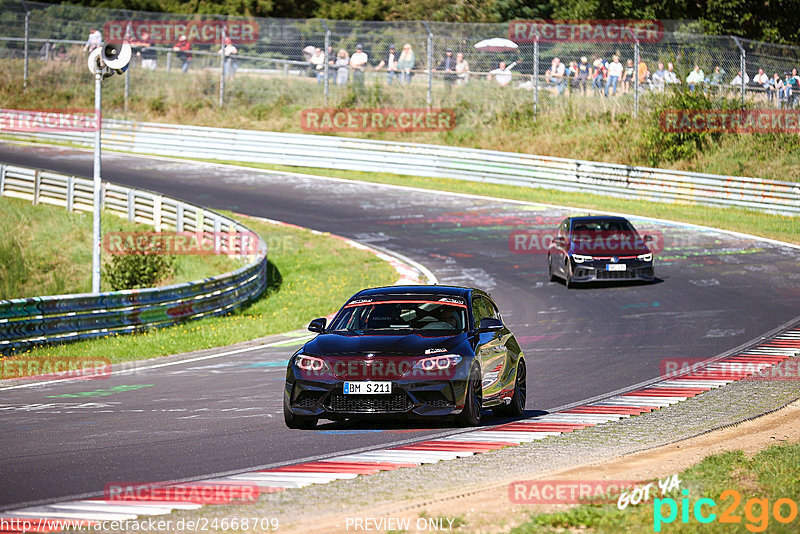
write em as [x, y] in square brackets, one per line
[222, 69]
[742, 68]
[636, 80]
[429, 98]
[98, 118]
[326, 67]
[536, 75]
[27, 39]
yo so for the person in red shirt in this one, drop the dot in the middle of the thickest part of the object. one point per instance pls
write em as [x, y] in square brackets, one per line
[182, 47]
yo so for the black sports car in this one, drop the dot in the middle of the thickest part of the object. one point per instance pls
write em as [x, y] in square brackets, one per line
[588, 249]
[408, 350]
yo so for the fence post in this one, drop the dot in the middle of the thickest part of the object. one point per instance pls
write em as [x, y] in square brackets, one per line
[70, 193]
[169, 60]
[222, 69]
[742, 68]
[636, 59]
[536, 75]
[326, 66]
[2, 178]
[128, 34]
[429, 97]
[27, 46]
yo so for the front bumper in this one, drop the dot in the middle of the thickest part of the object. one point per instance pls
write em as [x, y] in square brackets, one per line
[596, 271]
[327, 399]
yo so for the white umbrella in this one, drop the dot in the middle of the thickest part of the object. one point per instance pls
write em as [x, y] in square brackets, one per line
[496, 44]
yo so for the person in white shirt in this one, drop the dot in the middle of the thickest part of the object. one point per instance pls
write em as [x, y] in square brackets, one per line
[501, 74]
[94, 40]
[738, 79]
[318, 62]
[696, 77]
[670, 76]
[555, 75]
[614, 73]
[357, 62]
[762, 79]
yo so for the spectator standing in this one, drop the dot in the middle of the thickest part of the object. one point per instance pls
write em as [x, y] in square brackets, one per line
[229, 52]
[342, 65]
[94, 40]
[501, 75]
[695, 78]
[598, 75]
[390, 62]
[659, 77]
[183, 47]
[145, 51]
[644, 72]
[555, 75]
[462, 69]
[614, 74]
[448, 66]
[406, 63]
[584, 70]
[775, 89]
[317, 61]
[628, 77]
[358, 62]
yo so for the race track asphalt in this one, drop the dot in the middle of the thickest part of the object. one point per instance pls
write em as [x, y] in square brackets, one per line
[715, 291]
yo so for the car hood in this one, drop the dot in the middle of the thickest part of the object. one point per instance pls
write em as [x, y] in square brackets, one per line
[381, 345]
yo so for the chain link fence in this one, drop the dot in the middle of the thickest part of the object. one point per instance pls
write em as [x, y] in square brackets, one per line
[261, 63]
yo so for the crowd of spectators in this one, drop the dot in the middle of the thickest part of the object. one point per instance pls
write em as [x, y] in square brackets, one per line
[599, 76]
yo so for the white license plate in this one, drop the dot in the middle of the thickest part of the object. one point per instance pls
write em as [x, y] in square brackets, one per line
[616, 267]
[367, 388]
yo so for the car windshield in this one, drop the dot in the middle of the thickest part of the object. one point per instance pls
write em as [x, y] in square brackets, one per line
[605, 234]
[601, 225]
[424, 315]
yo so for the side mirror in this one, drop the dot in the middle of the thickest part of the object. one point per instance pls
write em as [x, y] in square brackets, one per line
[490, 324]
[318, 325]
[647, 238]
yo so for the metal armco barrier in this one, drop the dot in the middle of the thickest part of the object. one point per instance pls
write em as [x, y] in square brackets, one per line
[328, 152]
[26, 322]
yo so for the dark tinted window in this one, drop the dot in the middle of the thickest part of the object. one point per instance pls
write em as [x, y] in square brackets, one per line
[402, 315]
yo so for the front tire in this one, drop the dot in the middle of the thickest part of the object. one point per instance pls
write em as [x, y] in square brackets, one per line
[473, 401]
[568, 274]
[298, 422]
[550, 268]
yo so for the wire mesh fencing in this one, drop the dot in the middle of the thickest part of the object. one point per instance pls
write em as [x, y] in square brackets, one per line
[193, 62]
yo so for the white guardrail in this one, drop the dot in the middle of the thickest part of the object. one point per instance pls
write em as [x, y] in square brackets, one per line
[328, 152]
[25, 322]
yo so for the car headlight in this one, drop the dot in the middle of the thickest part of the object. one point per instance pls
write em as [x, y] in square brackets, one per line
[645, 257]
[435, 363]
[310, 363]
[580, 258]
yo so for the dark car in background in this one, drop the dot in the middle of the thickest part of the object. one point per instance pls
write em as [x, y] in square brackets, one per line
[427, 351]
[599, 248]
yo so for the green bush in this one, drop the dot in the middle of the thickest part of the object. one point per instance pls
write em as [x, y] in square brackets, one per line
[137, 270]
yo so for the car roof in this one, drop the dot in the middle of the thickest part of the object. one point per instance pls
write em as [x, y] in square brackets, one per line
[590, 218]
[464, 292]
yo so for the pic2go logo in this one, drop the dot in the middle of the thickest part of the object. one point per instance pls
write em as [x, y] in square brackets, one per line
[756, 511]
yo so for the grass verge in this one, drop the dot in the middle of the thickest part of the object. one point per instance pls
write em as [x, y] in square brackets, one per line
[760, 480]
[310, 275]
[46, 250]
[780, 227]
